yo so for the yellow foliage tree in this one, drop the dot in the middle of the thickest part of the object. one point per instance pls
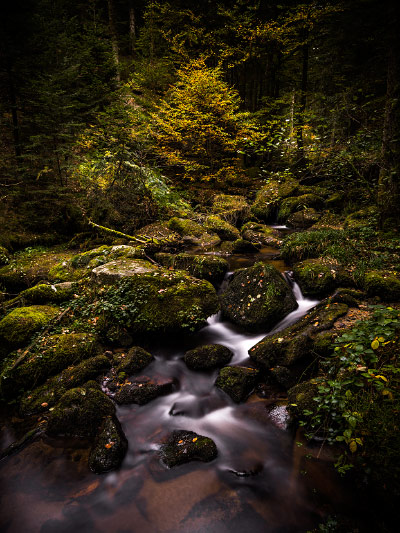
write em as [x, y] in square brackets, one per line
[199, 130]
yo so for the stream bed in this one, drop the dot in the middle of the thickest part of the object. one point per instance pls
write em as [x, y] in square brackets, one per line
[264, 479]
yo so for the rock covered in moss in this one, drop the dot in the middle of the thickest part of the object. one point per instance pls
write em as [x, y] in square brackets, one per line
[208, 356]
[160, 237]
[192, 232]
[159, 301]
[20, 324]
[304, 218]
[269, 197]
[296, 343]
[292, 204]
[257, 297]
[50, 356]
[232, 208]
[121, 268]
[383, 283]
[185, 446]
[260, 234]
[319, 277]
[47, 293]
[142, 390]
[240, 246]
[79, 413]
[224, 230]
[48, 394]
[109, 447]
[202, 266]
[237, 381]
[134, 361]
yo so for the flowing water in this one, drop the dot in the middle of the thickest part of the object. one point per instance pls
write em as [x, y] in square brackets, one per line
[257, 483]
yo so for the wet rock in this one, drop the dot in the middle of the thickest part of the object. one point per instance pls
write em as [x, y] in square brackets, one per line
[192, 232]
[159, 301]
[232, 208]
[51, 355]
[134, 361]
[114, 271]
[318, 277]
[238, 382]
[207, 357]
[47, 293]
[292, 204]
[185, 446]
[142, 390]
[224, 230]
[304, 218]
[350, 297]
[269, 197]
[109, 447]
[260, 234]
[383, 283]
[80, 413]
[48, 394]
[301, 398]
[240, 246]
[209, 267]
[296, 343]
[257, 297]
[20, 324]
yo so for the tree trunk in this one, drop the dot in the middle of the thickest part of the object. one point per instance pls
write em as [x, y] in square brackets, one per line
[132, 27]
[303, 102]
[114, 36]
[389, 177]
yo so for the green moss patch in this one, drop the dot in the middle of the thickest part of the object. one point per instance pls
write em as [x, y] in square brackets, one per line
[208, 356]
[237, 381]
[20, 324]
[209, 267]
[185, 446]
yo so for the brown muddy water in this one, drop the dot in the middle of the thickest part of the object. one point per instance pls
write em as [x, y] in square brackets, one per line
[264, 479]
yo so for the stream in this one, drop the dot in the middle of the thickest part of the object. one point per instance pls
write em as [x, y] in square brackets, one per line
[258, 483]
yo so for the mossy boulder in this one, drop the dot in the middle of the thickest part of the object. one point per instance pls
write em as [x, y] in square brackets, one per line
[192, 232]
[319, 277]
[224, 230]
[142, 390]
[109, 447]
[4, 256]
[20, 324]
[237, 381]
[260, 234]
[269, 197]
[295, 344]
[363, 217]
[46, 293]
[135, 360]
[301, 398]
[304, 218]
[208, 356]
[290, 205]
[121, 268]
[240, 246]
[209, 267]
[383, 283]
[160, 237]
[48, 394]
[257, 297]
[49, 357]
[232, 208]
[156, 302]
[79, 413]
[185, 446]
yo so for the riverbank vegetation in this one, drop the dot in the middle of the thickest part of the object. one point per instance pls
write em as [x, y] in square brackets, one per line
[135, 137]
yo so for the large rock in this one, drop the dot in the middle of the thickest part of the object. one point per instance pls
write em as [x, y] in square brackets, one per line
[268, 198]
[142, 390]
[260, 234]
[319, 277]
[109, 447]
[232, 208]
[224, 230]
[48, 394]
[292, 204]
[121, 268]
[237, 381]
[49, 357]
[208, 356]
[202, 266]
[185, 446]
[192, 232]
[304, 218]
[80, 413]
[18, 326]
[257, 297]
[134, 361]
[156, 301]
[383, 283]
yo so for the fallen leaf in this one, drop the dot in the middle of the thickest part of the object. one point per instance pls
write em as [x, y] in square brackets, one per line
[44, 404]
[194, 440]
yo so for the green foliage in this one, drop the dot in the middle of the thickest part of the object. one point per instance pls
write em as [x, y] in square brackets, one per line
[357, 395]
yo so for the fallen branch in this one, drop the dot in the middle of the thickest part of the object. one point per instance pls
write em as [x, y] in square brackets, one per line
[24, 441]
[118, 233]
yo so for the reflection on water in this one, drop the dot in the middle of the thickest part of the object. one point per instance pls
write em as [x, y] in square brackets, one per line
[253, 485]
